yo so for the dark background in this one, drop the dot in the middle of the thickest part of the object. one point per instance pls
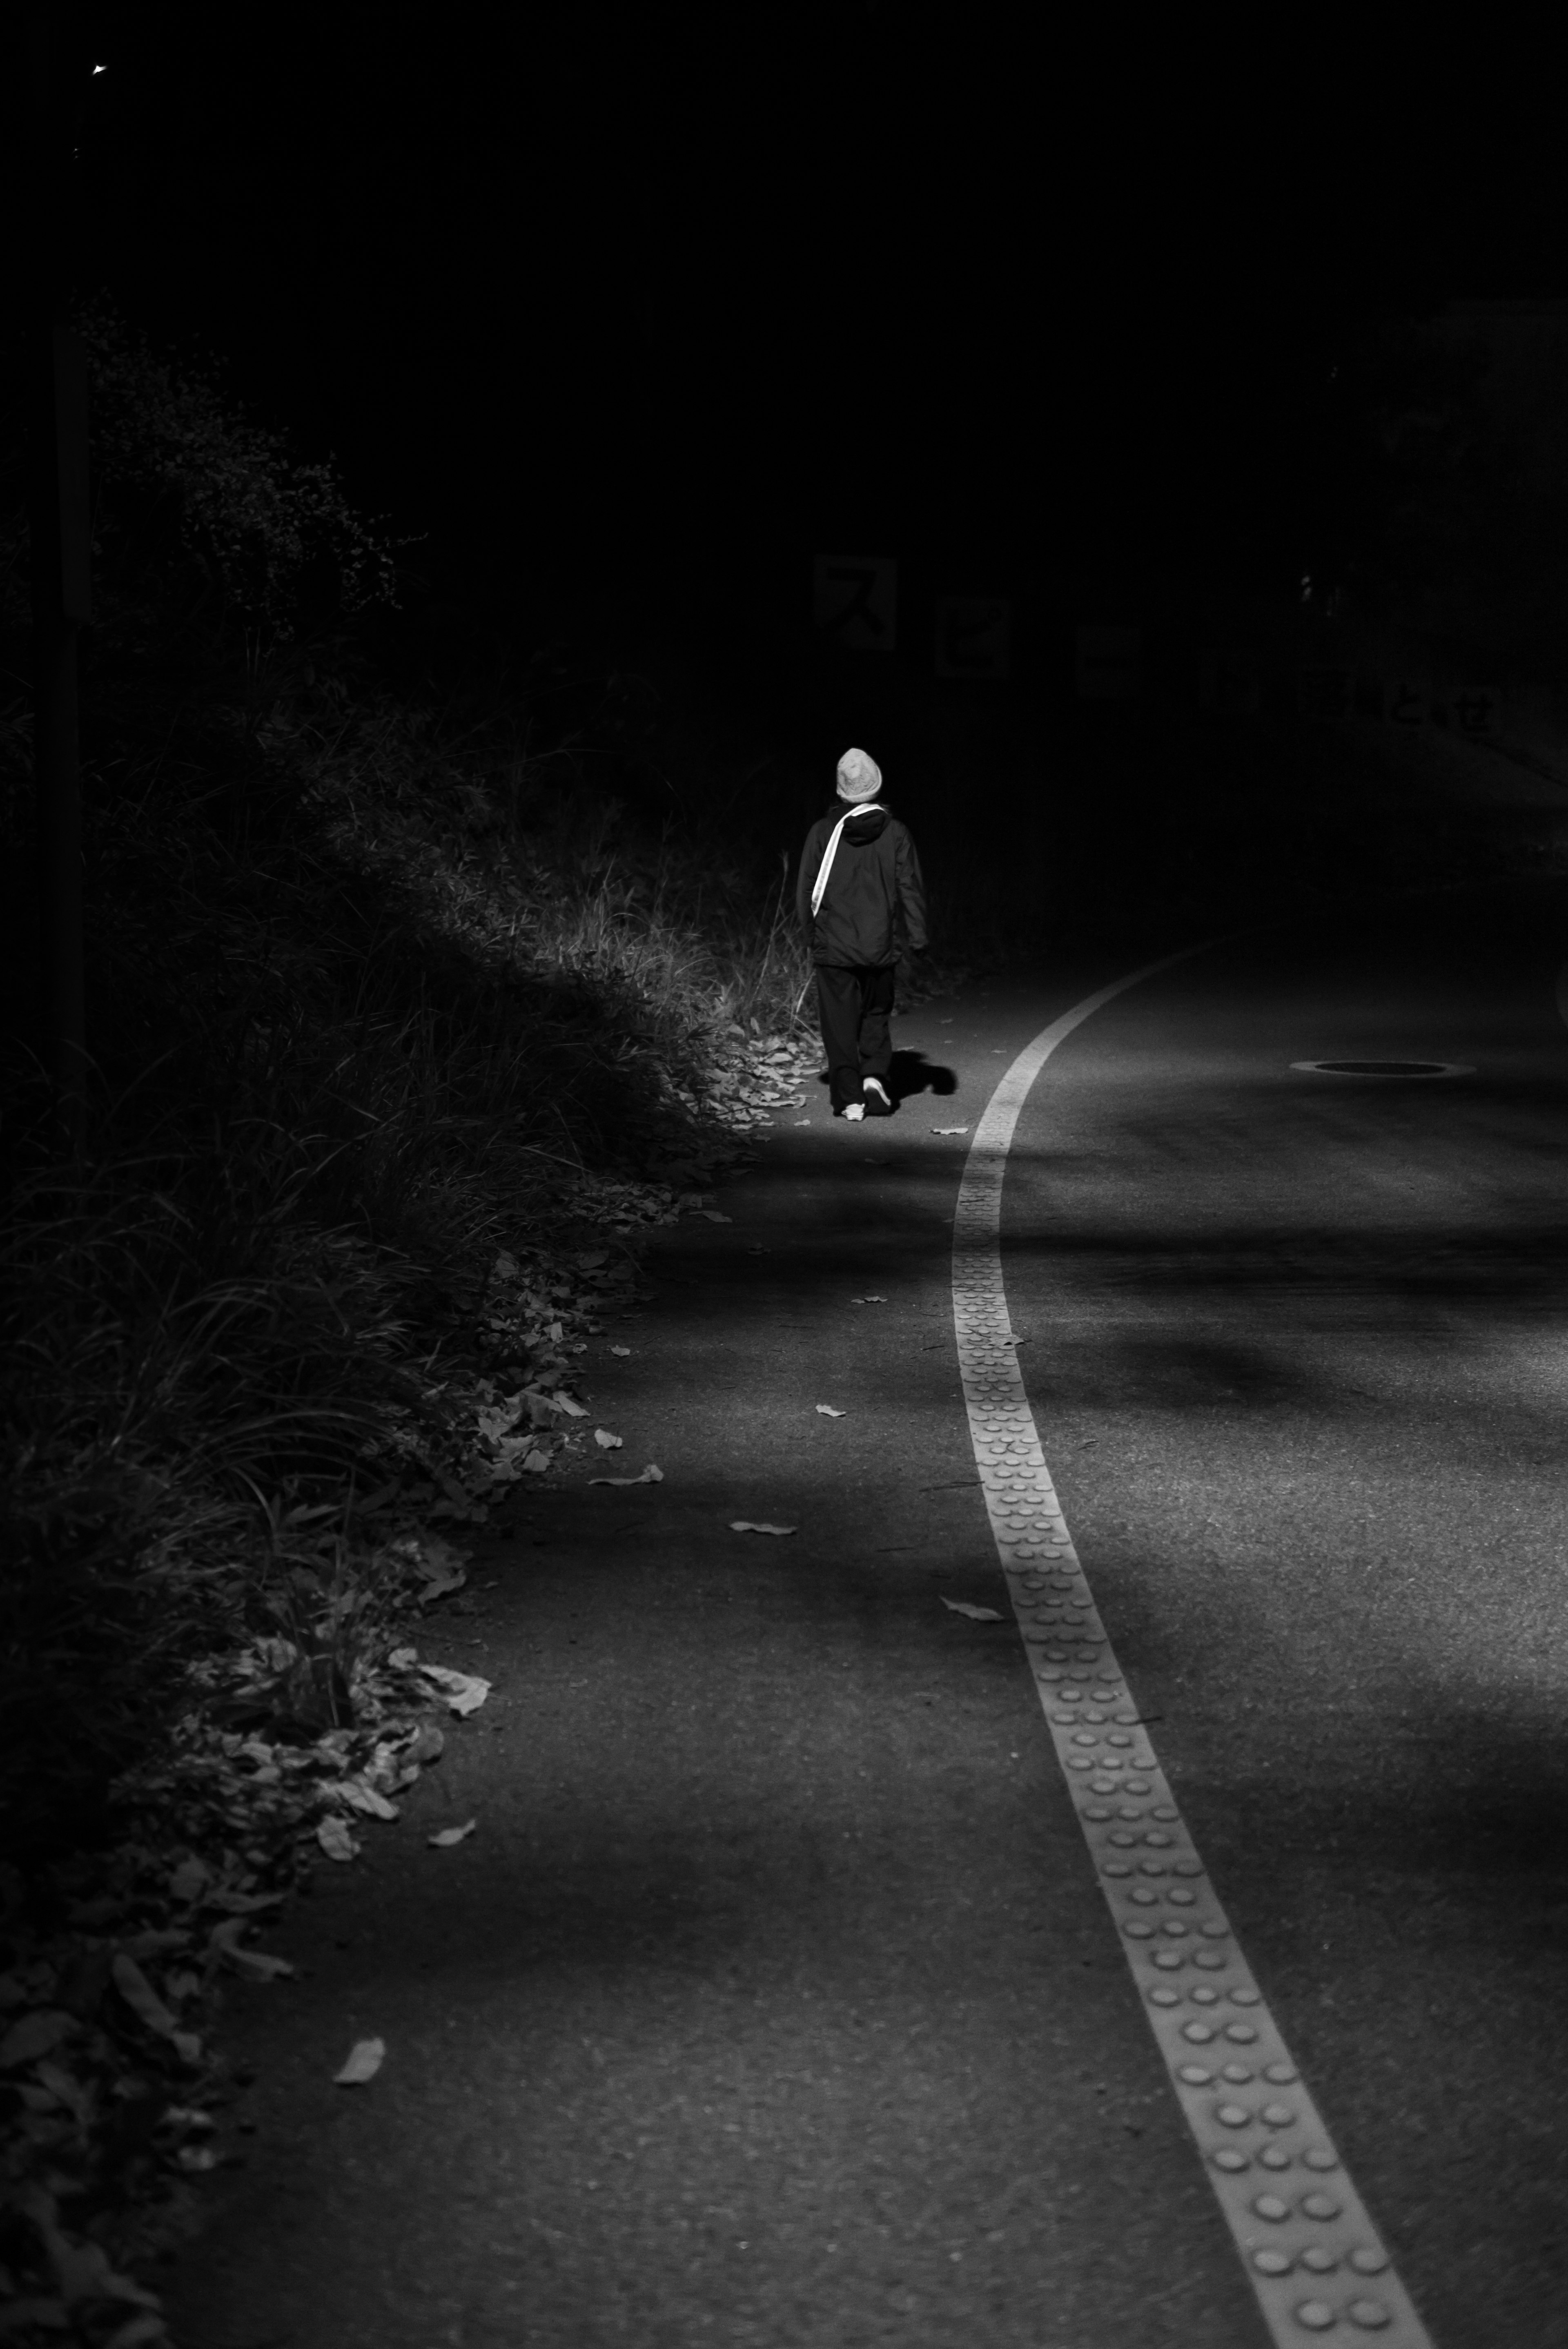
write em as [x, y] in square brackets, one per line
[644, 304]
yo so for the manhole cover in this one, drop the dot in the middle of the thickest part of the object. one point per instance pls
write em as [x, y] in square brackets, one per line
[1383, 1068]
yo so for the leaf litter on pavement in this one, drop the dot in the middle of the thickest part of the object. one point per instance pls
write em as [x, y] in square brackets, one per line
[460, 1692]
[827, 1411]
[748, 1525]
[103, 2026]
[296, 1735]
[363, 2060]
[256, 1965]
[450, 1836]
[332, 1835]
[975, 1614]
[650, 1475]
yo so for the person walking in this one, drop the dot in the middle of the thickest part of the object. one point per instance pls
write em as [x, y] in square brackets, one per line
[862, 905]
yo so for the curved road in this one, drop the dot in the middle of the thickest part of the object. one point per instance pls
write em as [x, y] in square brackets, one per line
[775, 2002]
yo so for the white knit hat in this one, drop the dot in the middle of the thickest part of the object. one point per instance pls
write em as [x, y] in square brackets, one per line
[860, 777]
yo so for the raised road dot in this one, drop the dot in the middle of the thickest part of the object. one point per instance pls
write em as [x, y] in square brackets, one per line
[1077, 1669]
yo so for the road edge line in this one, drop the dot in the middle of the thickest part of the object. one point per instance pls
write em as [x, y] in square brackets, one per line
[1305, 2240]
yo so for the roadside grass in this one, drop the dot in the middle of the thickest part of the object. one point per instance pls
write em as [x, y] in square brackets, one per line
[405, 1031]
[358, 1031]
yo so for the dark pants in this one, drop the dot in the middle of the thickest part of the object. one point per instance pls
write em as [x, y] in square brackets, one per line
[856, 1006]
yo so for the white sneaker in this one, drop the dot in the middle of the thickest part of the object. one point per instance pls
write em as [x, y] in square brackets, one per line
[855, 1112]
[875, 1085]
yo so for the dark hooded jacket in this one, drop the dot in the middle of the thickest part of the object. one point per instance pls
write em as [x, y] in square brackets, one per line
[873, 909]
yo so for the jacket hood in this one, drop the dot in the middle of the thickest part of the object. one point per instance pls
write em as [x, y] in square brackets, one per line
[864, 822]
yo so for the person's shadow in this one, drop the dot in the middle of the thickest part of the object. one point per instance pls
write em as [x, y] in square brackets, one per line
[912, 1073]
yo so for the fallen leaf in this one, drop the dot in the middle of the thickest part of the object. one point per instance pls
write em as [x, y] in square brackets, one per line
[619, 1350]
[606, 1441]
[139, 1995]
[359, 1797]
[440, 1565]
[154, 1944]
[650, 1475]
[65, 2090]
[802, 1121]
[537, 1462]
[148, 2332]
[145, 2332]
[363, 2060]
[496, 1420]
[243, 1904]
[82, 2271]
[34, 2036]
[712, 1216]
[442, 1586]
[464, 1692]
[868, 1300]
[745, 1525]
[225, 1939]
[188, 1878]
[334, 1838]
[950, 1129]
[975, 1614]
[565, 1404]
[449, 1836]
[828, 1412]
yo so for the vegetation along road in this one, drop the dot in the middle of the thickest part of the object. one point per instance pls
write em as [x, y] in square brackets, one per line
[773, 1999]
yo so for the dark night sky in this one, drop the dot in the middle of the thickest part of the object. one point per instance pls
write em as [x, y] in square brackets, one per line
[594, 280]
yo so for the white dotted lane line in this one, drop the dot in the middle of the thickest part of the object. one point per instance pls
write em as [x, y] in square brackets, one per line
[1312, 2253]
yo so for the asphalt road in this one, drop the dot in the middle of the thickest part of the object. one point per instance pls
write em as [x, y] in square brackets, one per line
[774, 2001]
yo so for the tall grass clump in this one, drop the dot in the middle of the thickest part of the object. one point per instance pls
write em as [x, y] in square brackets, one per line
[383, 991]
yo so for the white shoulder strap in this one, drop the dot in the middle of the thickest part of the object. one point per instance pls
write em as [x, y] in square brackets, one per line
[820, 886]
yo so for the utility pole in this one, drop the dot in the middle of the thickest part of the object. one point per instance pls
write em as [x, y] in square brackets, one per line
[61, 544]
